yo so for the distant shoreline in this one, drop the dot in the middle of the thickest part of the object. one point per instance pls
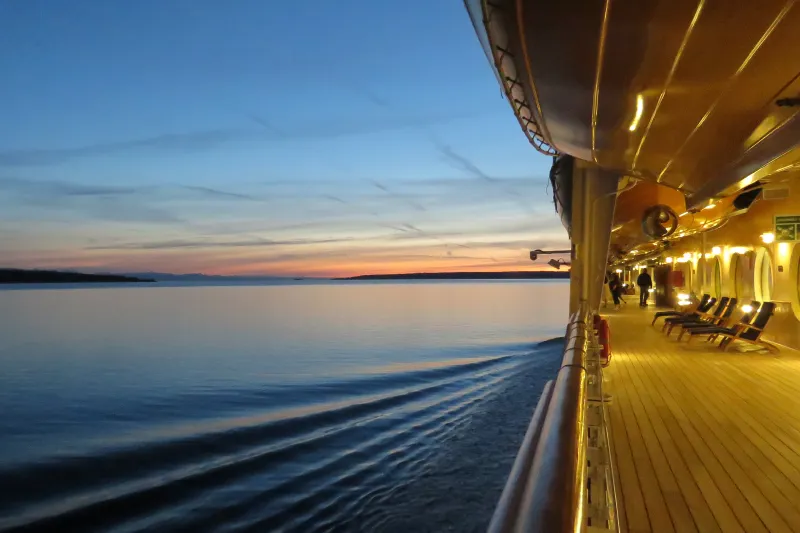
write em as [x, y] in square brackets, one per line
[462, 275]
[10, 275]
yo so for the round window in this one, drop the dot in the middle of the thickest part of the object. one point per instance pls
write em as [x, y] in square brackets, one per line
[763, 276]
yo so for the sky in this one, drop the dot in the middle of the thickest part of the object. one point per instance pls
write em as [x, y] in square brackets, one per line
[303, 138]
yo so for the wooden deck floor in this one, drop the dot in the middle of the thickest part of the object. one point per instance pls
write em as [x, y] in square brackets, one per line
[703, 440]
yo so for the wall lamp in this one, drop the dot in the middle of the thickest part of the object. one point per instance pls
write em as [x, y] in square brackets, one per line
[536, 253]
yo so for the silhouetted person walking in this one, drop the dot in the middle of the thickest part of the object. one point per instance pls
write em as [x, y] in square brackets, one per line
[644, 281]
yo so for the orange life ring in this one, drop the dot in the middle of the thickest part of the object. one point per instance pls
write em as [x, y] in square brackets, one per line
[604, 338]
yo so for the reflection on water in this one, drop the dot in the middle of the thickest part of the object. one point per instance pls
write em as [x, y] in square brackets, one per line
[298, 408]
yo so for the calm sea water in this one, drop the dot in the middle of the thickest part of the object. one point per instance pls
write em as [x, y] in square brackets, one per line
[301, 407]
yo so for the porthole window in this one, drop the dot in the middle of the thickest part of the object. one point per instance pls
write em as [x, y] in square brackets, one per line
[763, 276]
[736, 276]
[717, 278]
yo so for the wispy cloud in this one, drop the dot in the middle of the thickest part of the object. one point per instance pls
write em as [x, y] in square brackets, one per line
[200, 140]
[183, 244]
[217, 193]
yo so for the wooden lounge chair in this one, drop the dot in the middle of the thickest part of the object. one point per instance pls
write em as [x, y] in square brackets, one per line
[751, 333]
[713, 331]
[701, 309]
[703, 301]
[701, 317]
[721, 316]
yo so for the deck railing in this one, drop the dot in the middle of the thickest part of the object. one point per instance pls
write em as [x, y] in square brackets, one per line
[562, 478]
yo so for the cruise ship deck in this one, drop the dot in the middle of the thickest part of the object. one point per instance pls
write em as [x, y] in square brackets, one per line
[703, 440]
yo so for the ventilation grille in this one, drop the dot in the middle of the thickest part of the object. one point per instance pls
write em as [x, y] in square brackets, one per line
[775, 193]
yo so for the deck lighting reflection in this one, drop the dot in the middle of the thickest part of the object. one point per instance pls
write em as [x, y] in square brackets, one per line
[639, 111]
[710, 206]
[768, 237]
[747, 308]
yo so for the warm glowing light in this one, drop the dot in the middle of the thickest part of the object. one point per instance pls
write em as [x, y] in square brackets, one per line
[687, 255]
[684, 213]
[684, 302]
[716, 250]
[710, 206]
[783, 248]
[708, 256]
[669, 260]
[651, 290]
[747, 308]
[618, 271]
[739, 250]
[768, 237]
[682, 260]
[639, 111]
[683, 296]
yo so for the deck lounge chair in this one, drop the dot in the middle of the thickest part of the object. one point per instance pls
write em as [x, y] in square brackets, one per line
[698, 317]
[703, 301]
[726, 306]
[751, 333]
[702, 318]
[714, 331]
[695, 315]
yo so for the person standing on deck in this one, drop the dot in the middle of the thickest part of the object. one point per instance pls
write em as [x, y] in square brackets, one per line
[644, 281]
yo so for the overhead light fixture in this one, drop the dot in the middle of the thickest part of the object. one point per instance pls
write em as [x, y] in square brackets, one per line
[668, 260]
[708, 256]
[716, 250]
[618, 271]
[739, 250]
[687, 255]
[768, 237]
[639, 110]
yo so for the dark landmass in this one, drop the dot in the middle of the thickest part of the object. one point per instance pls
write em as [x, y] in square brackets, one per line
[13, 275]
[164, 276]
[523, 274]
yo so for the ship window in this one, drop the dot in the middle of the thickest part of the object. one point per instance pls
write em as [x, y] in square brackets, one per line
[763, 276]
[717, 278]
[736, 275]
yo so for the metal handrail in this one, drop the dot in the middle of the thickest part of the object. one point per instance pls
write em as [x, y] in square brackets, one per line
[546, 490]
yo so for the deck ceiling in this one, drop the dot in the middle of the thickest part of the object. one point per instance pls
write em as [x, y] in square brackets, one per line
[675, 91]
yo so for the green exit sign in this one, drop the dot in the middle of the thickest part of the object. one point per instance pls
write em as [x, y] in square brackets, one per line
[787, 227]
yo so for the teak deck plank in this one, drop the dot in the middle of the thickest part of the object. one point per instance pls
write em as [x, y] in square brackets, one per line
[704, 440]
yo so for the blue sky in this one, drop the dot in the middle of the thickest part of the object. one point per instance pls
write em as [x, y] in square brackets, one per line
[303, 138]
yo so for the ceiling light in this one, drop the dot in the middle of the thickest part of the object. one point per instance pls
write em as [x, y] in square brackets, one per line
[639, 111]
[768, 237]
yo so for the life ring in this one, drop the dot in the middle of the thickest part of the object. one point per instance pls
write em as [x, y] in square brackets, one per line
[604, 339]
